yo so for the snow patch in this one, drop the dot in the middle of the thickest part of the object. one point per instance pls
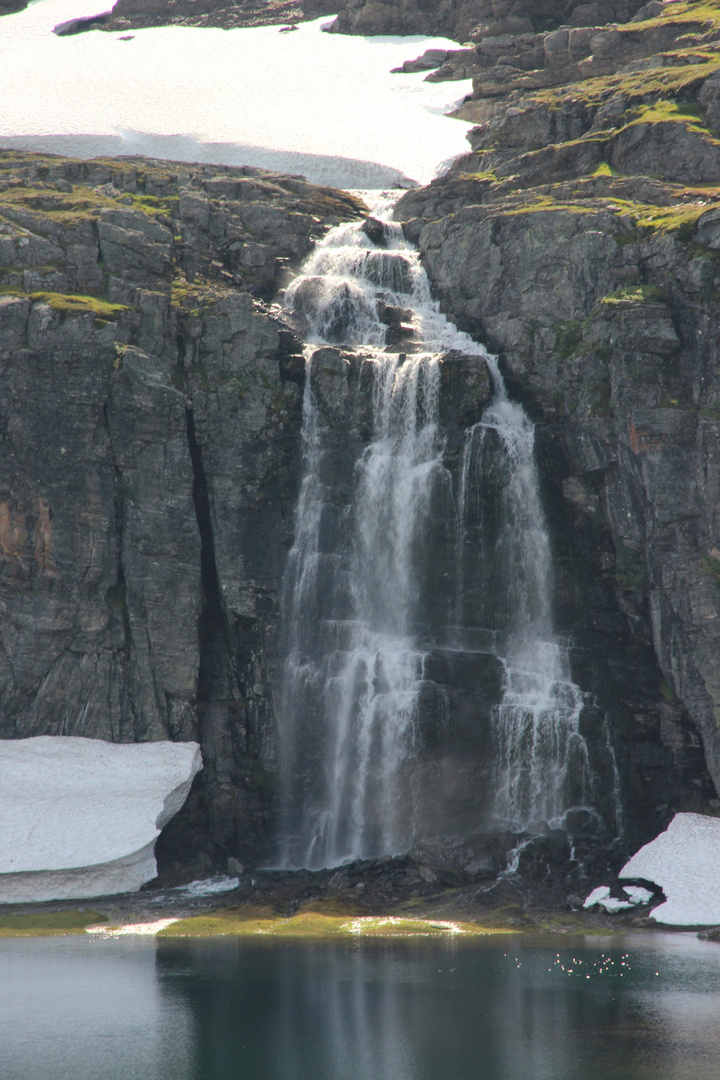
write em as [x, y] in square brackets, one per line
[324, 105]
[637, 894]
[80, 817]
[685, 861]
[601, 897]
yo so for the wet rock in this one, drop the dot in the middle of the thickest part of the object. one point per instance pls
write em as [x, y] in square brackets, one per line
[375, 231]
[479, 19]
[392, 315]
[541, 856]
[282, 13]
[338, 882]
[613, 358]
[397, 337]
[505, 893]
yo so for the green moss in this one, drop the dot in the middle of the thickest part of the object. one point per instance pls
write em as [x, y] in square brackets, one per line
[667, 693]
[701, 13]
[66, 304]
[249, 922]
[710, 565]
[152, 205]
[634, 294]
[568, 338]
[546, 203]
[81, 204]
[68, 208]
[630, 568]
[681, 217]
[484, 176]
[605, 170]
[670, 112]
[48, 923]
[600, 395]
[686, 70]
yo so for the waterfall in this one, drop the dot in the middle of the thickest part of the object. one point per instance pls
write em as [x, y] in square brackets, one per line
[353, 644]
[541, 766]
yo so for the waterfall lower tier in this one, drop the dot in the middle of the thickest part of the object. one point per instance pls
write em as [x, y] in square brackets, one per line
[423, 690]
[540, 757]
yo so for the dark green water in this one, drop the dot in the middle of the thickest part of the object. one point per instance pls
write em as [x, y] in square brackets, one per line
[503, 1009]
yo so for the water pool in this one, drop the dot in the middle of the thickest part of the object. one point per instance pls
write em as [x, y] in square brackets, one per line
[501, 1008]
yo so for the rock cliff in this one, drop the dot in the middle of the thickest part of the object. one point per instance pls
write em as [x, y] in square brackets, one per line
[151, 413]
[150, 421]
[579, 240]
[475, 20]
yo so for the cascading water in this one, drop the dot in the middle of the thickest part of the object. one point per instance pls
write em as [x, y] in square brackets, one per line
[354, 654]
[541, 766]
[367, 676]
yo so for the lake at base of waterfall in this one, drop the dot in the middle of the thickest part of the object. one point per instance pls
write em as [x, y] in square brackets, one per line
[506, 1007]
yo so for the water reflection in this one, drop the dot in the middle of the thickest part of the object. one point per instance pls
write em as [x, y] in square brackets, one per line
[78, 1009]
[639, 1009]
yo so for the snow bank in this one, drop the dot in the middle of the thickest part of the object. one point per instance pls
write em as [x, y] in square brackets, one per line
[80, 817]
[324, 105]
[601, 897]
[685, 861]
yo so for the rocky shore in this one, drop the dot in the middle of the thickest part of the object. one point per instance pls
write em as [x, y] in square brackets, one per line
[136, 14]
[455, 883]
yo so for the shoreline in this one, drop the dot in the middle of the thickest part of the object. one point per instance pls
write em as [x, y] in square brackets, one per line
[236, 914]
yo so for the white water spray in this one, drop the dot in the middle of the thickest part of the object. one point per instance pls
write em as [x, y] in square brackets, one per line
[541, 766]
[354, 664]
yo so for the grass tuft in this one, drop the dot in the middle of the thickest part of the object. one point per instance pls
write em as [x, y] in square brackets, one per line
[48, 923]
[65, 304]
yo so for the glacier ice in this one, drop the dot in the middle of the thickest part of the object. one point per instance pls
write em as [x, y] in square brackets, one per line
[80, 817]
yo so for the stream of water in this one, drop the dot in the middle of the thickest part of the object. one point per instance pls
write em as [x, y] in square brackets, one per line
[355, 668]
[541, 764]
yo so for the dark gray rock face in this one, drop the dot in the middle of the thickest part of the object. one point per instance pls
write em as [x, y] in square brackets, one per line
[569, 244]
[150, 422]
[476, 19]
[151, 432]
[133, 14]
[151, 425]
